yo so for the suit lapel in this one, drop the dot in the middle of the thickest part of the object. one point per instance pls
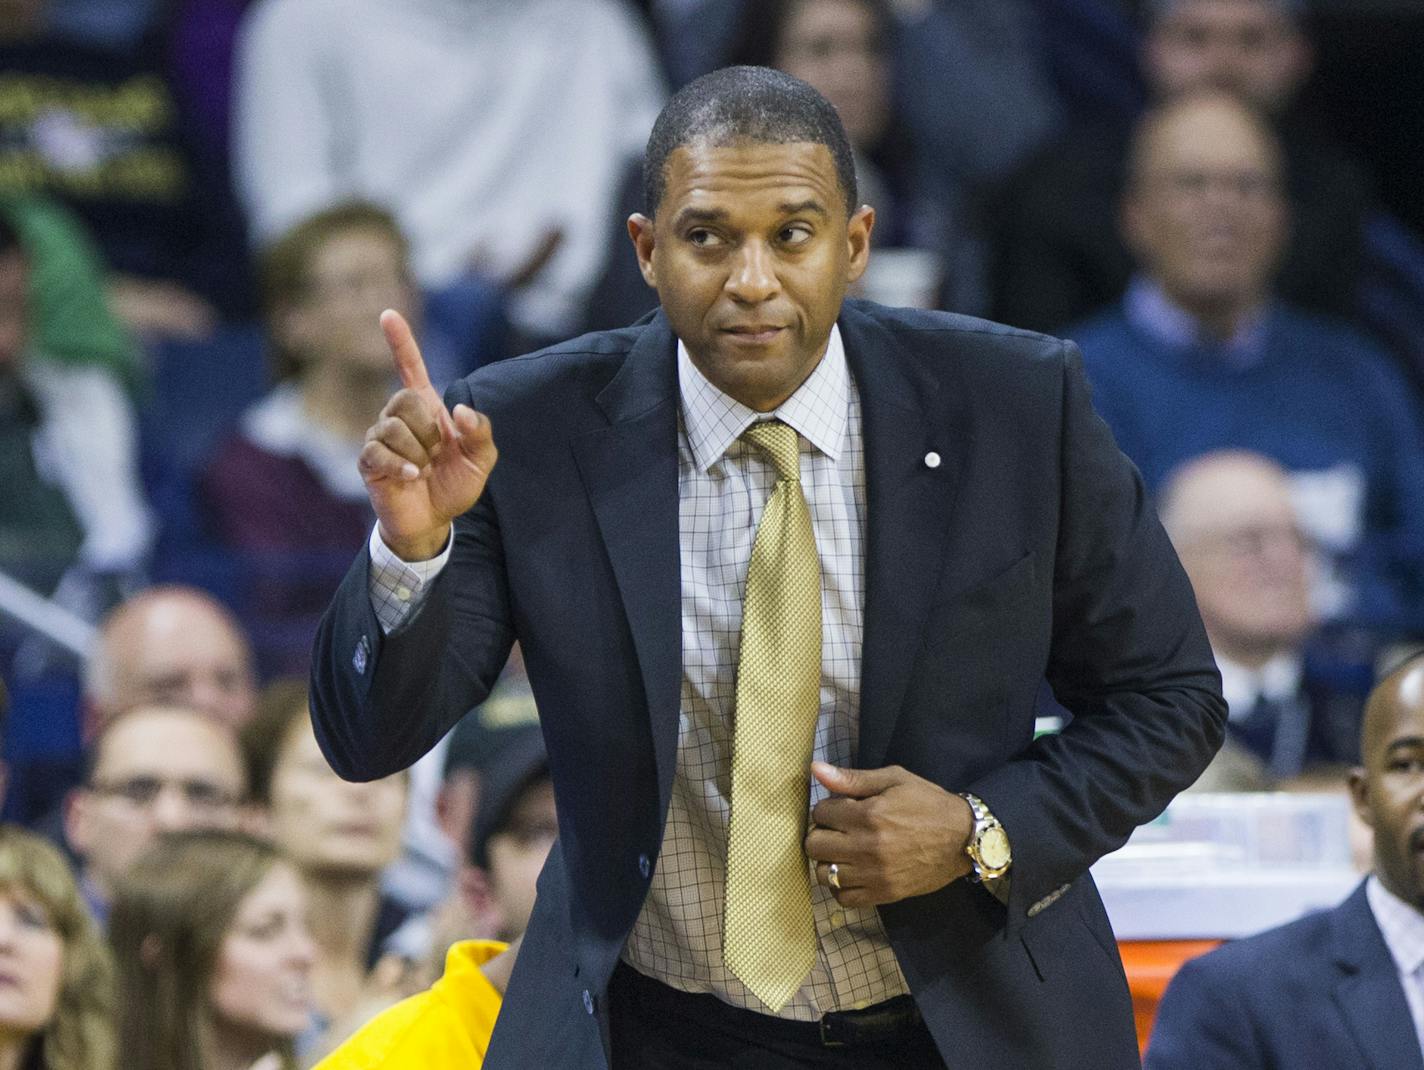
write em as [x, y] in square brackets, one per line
[630, 472]
[1369, 993]
[908, 507]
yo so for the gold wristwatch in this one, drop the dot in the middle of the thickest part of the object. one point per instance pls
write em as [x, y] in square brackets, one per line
[988, 846]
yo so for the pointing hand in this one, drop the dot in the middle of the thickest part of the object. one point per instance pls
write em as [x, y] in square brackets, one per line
[423, 464]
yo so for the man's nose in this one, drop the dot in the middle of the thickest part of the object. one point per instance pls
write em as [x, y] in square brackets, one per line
[171, 812]
[753, 276]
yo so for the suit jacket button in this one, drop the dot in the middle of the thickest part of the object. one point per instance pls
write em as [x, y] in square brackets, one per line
[645, 865]
[588, 1001]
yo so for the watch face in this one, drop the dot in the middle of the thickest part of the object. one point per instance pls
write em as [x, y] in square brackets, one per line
[994, 849]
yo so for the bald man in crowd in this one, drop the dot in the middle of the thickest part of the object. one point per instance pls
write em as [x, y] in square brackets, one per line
[1061, 257]
[1233, 522]
[1201, 354]
[1339, 988]
[170, 645]
[151, 769]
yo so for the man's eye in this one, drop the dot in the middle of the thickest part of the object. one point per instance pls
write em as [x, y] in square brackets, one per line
[797, 235]
[702, 238]
[31, 916]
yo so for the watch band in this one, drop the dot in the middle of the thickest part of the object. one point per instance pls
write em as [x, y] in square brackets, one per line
[985, 825]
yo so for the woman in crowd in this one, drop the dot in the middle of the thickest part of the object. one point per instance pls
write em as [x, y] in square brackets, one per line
[340, 836]
[284, 490]
[56, 978]
[214, 956]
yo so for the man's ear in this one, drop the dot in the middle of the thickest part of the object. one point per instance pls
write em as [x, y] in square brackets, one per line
[858, 229]
[1300, 61]
[76, 824]
[473, 883]
[640, 229]
[1360, 796]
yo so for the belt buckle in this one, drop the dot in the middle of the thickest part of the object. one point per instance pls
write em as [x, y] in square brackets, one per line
[835, 1031]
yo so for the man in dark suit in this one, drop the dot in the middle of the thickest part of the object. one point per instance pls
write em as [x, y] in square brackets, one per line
[1340, 988]
[973, 529]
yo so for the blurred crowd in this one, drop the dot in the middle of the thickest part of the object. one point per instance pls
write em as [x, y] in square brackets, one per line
[205, 203]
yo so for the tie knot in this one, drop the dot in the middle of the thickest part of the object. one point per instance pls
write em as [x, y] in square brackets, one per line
[778, 441]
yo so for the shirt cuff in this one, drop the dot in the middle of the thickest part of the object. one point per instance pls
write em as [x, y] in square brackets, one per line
[399, 587]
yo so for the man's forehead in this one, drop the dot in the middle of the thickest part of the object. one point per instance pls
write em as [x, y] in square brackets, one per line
[133, 743]
[1209, 135]
[707, 169]
[1396, 713]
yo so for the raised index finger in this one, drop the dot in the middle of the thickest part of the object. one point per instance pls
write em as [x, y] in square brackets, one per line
[409, 363]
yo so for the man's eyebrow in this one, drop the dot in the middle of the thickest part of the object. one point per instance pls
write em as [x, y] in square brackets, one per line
[699, 215]
[812, 205]
[1405, 743]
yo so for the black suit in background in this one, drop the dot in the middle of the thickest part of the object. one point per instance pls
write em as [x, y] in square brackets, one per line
[1321, 993]
[1058, 255]
[1027, 550]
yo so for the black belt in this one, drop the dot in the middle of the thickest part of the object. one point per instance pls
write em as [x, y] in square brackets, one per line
[895, 1018]
[848, 1029]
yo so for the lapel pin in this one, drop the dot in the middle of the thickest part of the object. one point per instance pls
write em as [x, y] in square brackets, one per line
[932, 459]
[360, 656]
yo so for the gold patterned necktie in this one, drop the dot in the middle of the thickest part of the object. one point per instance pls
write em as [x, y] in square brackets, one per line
[769, 936]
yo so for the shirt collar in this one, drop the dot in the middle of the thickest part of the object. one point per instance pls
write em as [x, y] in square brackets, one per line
[278, 423]
[1279, 678]
[1151, 311]
[1401, 925]
[818, 410]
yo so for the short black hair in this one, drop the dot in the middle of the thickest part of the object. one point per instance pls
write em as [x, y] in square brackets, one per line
[737, 104]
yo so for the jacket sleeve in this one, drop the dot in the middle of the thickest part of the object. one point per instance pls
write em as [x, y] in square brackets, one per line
[1201, 1024]
[1129, 659]
[379, 702]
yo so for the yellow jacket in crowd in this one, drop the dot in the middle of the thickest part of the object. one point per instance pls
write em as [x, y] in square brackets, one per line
[446, 1027]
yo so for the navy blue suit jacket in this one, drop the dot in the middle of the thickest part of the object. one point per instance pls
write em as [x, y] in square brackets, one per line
[1321, 993]
[1030, 551]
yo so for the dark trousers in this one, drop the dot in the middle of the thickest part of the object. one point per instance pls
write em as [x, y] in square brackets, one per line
[655, 1027]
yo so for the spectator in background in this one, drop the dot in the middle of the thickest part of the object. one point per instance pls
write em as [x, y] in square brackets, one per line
[476, 744]
[99, 127]
[440, 816]
[69, 317]
[1202, 355]
[150, 770]
[1058, 255]
[845, 49]
[170, 645]
[1341, 987]
[214, 955]
[941, 101]
[449, 1026]
[516, 826]
[57, 1003]
[500, 160]
[340, 836]
[73, 521]
[1230, 516]
[284, 491]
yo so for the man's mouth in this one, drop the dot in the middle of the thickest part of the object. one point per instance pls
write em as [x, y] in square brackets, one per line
[754, 333]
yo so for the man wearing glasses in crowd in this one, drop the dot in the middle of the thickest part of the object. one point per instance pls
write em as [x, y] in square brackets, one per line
[151, 770]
